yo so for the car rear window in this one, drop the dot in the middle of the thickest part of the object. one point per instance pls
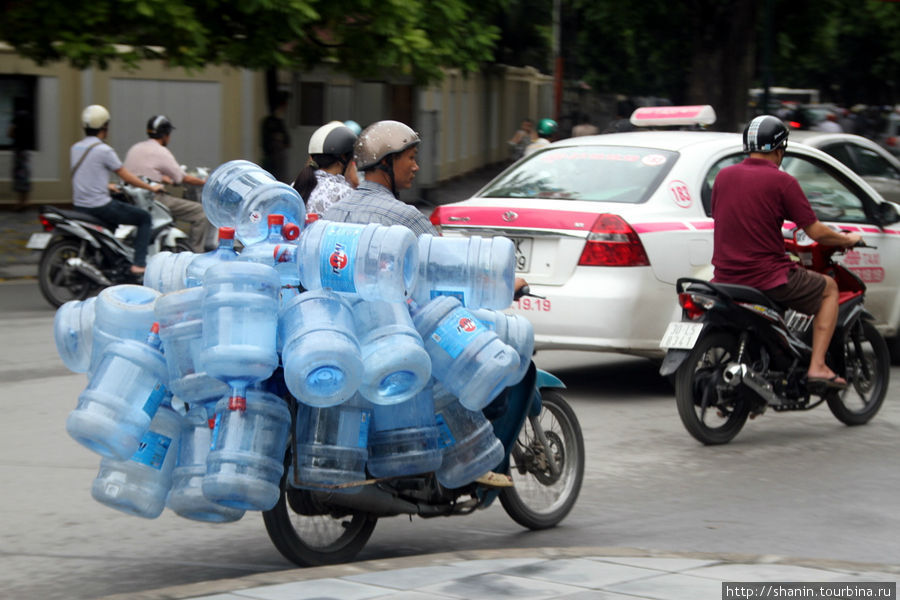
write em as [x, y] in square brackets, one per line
[594, 173]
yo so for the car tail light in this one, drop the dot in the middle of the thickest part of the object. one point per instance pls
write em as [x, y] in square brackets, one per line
[613, 243]
[435, 219]
[794, 124]
[46, 224]
[891, 141]
[694, 305]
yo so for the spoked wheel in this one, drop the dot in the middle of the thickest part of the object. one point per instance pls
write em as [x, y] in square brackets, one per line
[309, 539]
[58, 281]
[711, 412]
[547, 466]
[867, 371]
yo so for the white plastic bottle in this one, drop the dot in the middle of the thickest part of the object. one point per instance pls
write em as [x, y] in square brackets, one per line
[224, 252]
[73, 332]
[121, 312]
[404, 438]
[514, 330]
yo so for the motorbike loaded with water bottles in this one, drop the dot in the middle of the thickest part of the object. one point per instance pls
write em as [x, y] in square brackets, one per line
[81, 254]
[736, 352]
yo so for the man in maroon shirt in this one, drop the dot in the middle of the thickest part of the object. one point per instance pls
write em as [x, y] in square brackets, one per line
[750, 202]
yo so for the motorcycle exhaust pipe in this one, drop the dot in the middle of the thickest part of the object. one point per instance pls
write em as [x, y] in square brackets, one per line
[88, 270]
[737, 373]
[369, 499]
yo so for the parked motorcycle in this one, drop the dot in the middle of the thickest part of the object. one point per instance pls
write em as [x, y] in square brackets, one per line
[544, 455]
[81, 254]
[736, 352]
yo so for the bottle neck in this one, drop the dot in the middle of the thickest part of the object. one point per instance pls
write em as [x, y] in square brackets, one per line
[275, 234]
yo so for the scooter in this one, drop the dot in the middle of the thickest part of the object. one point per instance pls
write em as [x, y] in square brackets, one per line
[81, 254]
[736, 352]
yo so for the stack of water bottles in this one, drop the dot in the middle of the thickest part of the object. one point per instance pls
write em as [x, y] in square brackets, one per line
[391, 345]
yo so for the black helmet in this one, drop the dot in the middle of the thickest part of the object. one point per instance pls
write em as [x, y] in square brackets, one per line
[159, 126]
[765, 134]
[333, 138]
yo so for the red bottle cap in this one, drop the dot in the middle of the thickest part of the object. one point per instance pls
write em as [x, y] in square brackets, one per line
[290, 231]
[276, 219]
[310, 217]
[226, 233]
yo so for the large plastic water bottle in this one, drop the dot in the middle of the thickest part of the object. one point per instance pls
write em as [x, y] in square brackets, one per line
[240, 320]
[186, 497]
[467, 357]
[469, 446]
[139, 484]
[121, 312]
[180, 317]
[122, 396]
[279, 251]
[514, 330]
[332, 445]
[321, 354]
[167, 271]
[73, 332]
[224, 252]
[246, 458]
[395, 364]
[404, 438]
[242, 195]
[372, 262]
[479, 271]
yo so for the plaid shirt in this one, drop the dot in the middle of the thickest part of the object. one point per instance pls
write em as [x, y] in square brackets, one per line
[374, 203]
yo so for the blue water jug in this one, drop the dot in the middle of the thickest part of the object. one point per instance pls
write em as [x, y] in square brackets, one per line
[478, 271]
[332, 445]
[278, 250]
[139, 484]
[395, 364]
[242, 195]
[186, 497]
[73, 332]
[514, 330]
[404, 438]
[467, 357]
[372, 262]
[246, 457]
[122, 396]
[224, 252]
[240, 319]
[121, 312]
[167, 271]
[180, 318]
[321, 355]
[468, 444]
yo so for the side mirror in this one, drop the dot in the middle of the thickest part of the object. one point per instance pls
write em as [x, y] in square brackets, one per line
[887, 213]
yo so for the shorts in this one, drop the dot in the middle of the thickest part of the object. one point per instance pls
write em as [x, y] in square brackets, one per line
[802, 292]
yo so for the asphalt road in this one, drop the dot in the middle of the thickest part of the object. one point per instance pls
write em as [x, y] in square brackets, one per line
[792, 484]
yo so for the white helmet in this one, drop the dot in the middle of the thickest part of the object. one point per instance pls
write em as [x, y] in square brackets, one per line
[94, 117]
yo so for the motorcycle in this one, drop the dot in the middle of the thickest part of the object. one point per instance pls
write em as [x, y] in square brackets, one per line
[736, 352]
[544, 456]
[81, 254]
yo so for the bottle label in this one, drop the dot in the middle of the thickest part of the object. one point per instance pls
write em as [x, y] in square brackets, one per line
[445, 436]
[338, 252]
[461, 296]
[215, 433]
[365, 417]
[456, 331]
[152, 450]
[155, 399]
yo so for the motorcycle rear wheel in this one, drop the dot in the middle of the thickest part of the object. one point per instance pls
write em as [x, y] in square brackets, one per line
[541, 499]
[310, 540]
[867, 370]
[709, 417]
[58, 282]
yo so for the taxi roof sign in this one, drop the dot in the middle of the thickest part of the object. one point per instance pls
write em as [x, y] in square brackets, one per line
[650, 116]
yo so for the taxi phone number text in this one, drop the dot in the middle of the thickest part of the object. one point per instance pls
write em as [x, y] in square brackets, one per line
[533, 304]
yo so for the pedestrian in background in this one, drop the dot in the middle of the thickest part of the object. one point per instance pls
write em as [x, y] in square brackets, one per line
[21, 132]
[276, 140]
[522, 138]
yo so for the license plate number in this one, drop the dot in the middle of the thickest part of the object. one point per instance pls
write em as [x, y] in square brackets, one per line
[523, 253]
[681, 335]
[38, 241]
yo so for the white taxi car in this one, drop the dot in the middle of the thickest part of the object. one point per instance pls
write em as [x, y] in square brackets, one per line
[605, 224]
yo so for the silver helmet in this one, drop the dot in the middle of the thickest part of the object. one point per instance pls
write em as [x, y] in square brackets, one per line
[381, 139]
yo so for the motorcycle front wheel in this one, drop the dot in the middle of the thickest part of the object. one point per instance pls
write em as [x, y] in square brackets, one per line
[309, 540]
[711, 413]
[543, 494]
[59, 283]
[867, 371]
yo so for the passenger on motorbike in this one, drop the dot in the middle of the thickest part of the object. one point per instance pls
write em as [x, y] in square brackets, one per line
[152, 159]
[92, 160]
[330, 173]
[750, 202]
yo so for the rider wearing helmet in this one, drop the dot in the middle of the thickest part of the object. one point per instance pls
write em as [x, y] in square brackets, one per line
[386, 151]
[546, 130]
[330, 174]
[750, 203]
[152, 159]
[92, 160]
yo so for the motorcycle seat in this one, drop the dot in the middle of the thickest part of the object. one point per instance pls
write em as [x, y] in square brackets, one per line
[78, 215]
[745, 293]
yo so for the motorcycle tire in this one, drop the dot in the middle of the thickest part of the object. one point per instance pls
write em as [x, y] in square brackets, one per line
[58, 283]
[540, 499]
[697, 397]
[867, 367]
[310, 540]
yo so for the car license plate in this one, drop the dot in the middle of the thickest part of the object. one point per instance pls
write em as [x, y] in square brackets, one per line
[523, 253]
[38, 241]
[681, 335]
